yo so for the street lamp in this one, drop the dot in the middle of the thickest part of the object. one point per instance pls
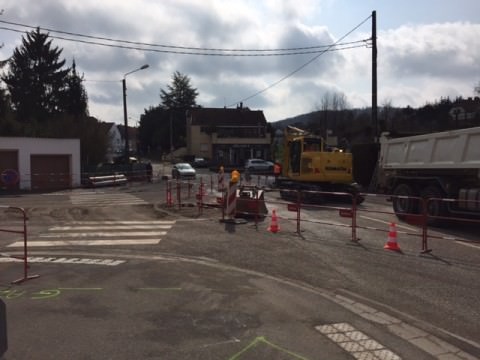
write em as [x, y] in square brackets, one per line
[125, 119]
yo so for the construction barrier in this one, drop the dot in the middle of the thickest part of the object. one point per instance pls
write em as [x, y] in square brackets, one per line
[345, 204]
[108, 180]
[221, 180]
[19, 212]
[231, 200]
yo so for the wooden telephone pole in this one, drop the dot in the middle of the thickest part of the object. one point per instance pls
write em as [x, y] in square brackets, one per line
[374, 77]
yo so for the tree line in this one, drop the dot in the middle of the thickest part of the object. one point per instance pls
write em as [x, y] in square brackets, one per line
[333, 117]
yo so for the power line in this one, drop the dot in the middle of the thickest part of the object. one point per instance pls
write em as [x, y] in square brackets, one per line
[182, 50]
[300, 67]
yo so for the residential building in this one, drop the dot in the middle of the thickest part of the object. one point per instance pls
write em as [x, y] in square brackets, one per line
[228, 136]
[115, 146]
[132, 139]
[116, 140]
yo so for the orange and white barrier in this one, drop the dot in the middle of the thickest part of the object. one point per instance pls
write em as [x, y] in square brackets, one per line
[231, 200]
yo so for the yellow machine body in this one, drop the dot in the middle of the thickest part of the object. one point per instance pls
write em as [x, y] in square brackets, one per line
[308, 159]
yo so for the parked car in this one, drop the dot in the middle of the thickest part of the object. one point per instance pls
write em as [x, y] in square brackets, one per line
[259, 165]
[200, 162]
[183, 171]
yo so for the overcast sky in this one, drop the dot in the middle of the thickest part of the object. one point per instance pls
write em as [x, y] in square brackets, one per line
[427, 49]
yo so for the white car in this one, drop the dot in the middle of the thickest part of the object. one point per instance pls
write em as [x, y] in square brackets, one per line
[259, 166]
[183, 171]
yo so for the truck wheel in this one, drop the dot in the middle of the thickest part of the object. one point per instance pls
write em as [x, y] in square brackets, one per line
[402, 205]
[435, 208]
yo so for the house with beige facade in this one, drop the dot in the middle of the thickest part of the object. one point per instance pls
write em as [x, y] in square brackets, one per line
[227, 136]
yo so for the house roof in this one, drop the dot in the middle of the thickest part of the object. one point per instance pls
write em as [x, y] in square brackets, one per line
[105, 126]
[132, 132]
[227, 117]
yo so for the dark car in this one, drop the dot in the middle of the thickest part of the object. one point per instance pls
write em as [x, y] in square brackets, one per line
[183, 171]
[199, 162]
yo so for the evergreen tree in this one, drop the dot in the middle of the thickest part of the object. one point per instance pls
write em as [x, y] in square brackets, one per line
[164, 126]
[74, 96]
[180, 94]
[154, 131]
[35, 79]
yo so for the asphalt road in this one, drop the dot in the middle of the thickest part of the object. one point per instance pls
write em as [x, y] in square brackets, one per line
[123, 276]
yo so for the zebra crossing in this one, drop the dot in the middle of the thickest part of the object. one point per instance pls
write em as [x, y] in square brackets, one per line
[100, 233]
[103, 198]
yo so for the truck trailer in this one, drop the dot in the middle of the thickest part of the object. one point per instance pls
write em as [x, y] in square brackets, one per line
[442, 165]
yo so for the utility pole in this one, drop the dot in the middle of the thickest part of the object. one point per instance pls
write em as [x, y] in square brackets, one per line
[125, 120]
[171, 135]
[374, 77]
[125, 117]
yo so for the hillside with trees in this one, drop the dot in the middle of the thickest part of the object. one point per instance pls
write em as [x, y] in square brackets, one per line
[333, 117]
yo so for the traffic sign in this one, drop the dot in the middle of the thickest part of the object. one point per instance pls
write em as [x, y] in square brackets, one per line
[348, 213]
[10, 177]
[292, 207]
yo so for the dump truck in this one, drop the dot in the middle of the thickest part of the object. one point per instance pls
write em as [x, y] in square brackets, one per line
[442, 165]
[312, 167]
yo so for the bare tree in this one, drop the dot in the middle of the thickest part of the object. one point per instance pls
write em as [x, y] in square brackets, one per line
[332, 106]
[386, 115]
[339, 101]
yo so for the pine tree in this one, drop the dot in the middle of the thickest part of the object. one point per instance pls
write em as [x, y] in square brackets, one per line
[74, 96]
[180, 95]
[35, 79]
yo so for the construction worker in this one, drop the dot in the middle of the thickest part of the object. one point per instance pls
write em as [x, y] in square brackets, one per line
[277, 169]
[235, 176]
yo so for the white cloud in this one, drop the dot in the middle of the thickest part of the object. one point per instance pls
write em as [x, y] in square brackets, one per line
[417, 62]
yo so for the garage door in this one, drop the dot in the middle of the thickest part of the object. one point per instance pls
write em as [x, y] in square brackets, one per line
[50, 172]
[8, 160]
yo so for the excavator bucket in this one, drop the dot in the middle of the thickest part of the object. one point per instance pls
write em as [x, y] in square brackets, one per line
[250, 202]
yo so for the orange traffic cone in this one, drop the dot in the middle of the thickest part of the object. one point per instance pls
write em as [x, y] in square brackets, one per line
[392, 239]
[274, 224]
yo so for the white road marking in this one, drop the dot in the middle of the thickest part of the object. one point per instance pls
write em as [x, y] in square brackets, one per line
[358, 344]
[101, 199]
[389, 222]
[104, 234]
[113, 227]
[86, 261]
[127, 222]
[87, 243]
[476, 246]
[101, 233]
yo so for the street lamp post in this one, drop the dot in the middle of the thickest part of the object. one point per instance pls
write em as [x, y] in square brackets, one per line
[125, 118]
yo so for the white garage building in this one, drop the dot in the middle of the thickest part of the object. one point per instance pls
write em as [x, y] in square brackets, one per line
[39, 163]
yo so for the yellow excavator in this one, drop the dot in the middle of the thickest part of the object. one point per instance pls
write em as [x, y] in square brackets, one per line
[310, 165]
